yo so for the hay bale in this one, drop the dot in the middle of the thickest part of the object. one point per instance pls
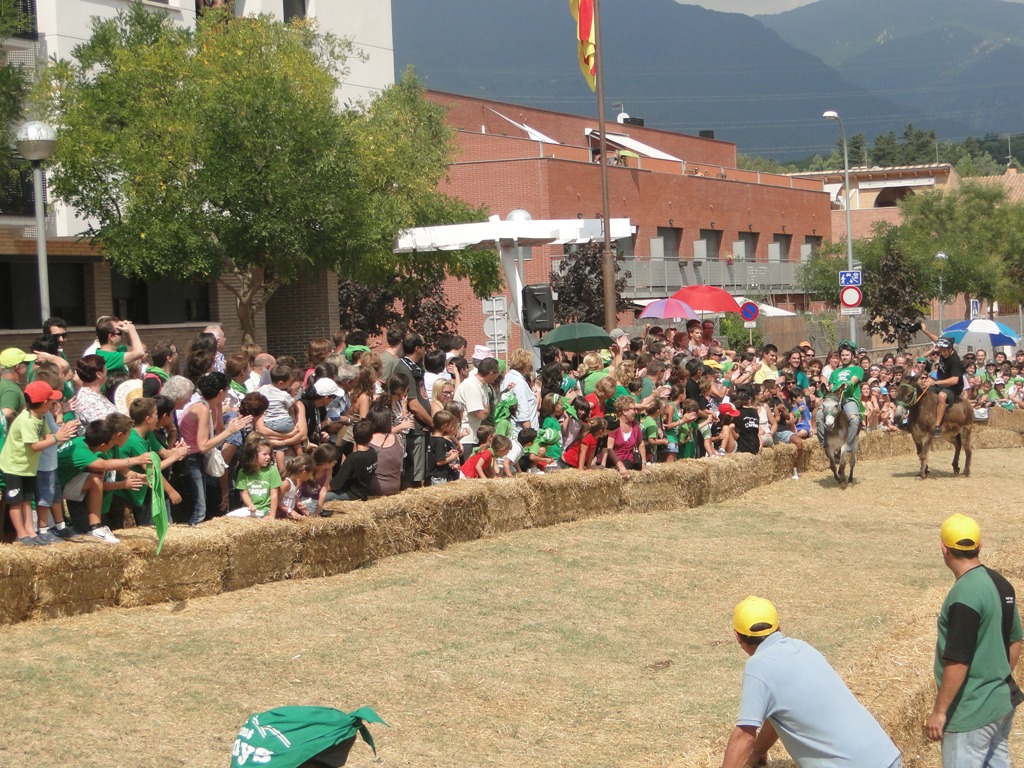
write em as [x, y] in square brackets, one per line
[16, 571]
[508, 504]
[571, 494]
[693, 481]
[732, 475]
[643, 494]
[333, 545]
[1000, 418]
[191, 564]
[424, 518]
[76, 578]
[259, 551]
[814, 459]
[874, 445]
[993, 437]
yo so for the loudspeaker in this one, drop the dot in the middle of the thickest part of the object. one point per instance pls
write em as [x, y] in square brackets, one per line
[538, 308]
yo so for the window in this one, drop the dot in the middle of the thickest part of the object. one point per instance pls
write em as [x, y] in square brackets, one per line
[709, 246]
[811, 245]
[671, 238]
[745, 247]
[778, 250]
[19, 292]
[159, 302]
[294, 9]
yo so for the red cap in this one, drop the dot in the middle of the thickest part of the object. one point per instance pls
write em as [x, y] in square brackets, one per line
[39, 392]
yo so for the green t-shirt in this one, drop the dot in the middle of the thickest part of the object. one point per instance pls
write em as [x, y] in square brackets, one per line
[591, 381]
[72, 459]
[137, 445]
[259, 486]
[648, 427]
[550, 436]
[17, 456]
[114, 360]
[11, 396]
[841, 376]
[974, 604]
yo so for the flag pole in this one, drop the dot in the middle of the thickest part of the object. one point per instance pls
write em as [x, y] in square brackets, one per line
[611, 316]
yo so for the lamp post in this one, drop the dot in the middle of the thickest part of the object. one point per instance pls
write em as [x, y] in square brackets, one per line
[36, 141]
[941, 258]
[833, 115]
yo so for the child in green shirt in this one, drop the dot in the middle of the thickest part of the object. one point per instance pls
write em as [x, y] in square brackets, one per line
[258, 478]
[27, 438]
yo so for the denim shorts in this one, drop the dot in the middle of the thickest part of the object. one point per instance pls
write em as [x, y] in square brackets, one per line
[47, 488]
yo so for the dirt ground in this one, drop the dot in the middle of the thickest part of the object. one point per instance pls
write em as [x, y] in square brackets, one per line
[599, 643]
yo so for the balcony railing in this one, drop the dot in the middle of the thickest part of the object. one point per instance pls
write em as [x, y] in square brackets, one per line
[658, 278]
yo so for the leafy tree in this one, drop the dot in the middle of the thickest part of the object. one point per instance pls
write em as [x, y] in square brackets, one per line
[375, 308]
[893, 293]
[762, 164]
[221, 153]
[858, 150]
[819, 276]
[918, 147]
[975, 226]
[579, 283]
[13, 82]
[731, 327]
[886, 150]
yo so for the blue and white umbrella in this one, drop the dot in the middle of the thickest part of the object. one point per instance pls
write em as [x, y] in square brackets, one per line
[991, 333]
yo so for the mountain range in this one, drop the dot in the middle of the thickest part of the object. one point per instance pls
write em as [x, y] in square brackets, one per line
[762, 82]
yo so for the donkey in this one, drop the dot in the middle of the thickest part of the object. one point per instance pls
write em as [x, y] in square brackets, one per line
[837, 424]
[915, 403]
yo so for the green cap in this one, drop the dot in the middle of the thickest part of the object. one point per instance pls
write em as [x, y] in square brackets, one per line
[351, 350]
[287, 737]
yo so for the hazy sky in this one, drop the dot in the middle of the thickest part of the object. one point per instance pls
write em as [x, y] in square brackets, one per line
[753, 7]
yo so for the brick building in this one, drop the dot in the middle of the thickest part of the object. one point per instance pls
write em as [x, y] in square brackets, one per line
[698, 218]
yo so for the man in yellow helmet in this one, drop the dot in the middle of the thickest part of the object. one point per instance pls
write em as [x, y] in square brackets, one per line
[978, 647]
[791, 692]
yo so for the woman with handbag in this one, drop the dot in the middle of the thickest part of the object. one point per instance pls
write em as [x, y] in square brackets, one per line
[626, 444]
[197, 427]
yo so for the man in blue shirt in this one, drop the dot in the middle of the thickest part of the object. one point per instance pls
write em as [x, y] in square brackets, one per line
[791, 692]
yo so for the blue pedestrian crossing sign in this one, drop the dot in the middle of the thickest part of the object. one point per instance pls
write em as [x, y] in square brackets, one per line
[849, 277]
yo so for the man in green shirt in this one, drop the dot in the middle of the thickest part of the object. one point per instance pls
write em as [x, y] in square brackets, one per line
[111, 334]
[979, 642]
[847, 377]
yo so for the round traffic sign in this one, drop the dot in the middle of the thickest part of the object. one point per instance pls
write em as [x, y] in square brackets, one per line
[850, 296]
[749, 310]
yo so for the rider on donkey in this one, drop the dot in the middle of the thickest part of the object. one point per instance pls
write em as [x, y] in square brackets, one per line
[949, 382]
[847, 377]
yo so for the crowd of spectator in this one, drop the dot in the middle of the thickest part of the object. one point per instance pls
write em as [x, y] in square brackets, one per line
[246, 434]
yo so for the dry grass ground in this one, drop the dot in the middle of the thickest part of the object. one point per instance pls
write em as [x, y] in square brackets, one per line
[599, 643]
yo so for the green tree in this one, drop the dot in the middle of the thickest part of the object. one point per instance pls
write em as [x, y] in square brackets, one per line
[14, 83]
[894, 293]
[975, 226]
[819, 276]
[886, 150]
[221, 153]
[579, 284]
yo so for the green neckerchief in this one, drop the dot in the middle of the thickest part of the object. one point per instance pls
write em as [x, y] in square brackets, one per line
[287, 737]
[238, 387]
[158, 502]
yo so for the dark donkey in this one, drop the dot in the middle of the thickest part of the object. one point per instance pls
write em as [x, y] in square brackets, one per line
[914, 401]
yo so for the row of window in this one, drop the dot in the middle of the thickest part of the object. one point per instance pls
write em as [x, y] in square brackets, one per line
[710, 246]
[153, 302]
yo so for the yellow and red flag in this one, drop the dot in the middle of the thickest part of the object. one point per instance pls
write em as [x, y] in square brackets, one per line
[586, 34]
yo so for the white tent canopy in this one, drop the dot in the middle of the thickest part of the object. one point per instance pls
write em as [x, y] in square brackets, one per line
[497, 232]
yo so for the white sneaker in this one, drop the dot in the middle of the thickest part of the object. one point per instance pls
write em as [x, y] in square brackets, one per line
[103, 534]
[795, 475]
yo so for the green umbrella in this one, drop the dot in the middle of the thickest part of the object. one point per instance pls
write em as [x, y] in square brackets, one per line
[577, 337]
[288, 737]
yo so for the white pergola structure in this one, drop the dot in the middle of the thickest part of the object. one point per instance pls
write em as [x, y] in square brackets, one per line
[508, 236]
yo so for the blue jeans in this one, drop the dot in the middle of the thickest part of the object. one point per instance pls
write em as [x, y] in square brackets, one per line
[197, 484]
[985, 747]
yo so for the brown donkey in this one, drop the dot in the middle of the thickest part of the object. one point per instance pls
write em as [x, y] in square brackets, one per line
[914, 401]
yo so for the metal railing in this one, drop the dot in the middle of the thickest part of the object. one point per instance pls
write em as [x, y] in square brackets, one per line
[657, 278]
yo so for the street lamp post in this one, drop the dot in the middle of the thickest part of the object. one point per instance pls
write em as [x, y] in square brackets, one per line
[833, 115]
[941, 258]
[36, 141]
